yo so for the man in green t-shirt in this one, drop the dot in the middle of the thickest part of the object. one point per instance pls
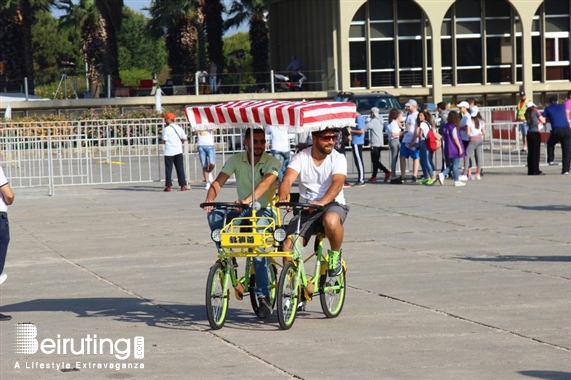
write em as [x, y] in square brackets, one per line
[266, 171]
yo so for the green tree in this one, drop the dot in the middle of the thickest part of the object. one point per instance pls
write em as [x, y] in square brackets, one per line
[85, 17]
[16, 20]
[255, 11]
[137, 50]
[112, 13]
[239, 71]
[49, 43]
[214, 31]
[174, 21]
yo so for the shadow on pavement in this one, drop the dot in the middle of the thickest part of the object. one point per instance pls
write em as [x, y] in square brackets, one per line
[513, 258]
[548, 375]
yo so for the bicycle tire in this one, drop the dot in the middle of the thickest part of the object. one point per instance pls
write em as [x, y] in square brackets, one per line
[273, 284]
[332, 294]
[287, 296]
[216, 298]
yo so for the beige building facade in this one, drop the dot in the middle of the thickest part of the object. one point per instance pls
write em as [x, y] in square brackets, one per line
[434, 50]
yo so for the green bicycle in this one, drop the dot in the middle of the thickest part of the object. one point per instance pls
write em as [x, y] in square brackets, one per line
[241, 237]
[295, 288]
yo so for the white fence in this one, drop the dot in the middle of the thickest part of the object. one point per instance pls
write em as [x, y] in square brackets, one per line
[92, 152]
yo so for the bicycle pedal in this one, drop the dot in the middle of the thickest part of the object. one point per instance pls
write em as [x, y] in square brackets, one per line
[301, 306]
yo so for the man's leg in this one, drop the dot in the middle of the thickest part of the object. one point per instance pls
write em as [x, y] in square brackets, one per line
[551, 146]
[334, 230]
[168, 170]
[179, 165]
[564, 141]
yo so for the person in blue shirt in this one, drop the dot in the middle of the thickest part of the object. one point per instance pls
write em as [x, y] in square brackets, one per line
[555, 114]
[357, 141]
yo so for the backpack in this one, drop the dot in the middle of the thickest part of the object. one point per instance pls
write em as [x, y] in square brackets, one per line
[432, 142]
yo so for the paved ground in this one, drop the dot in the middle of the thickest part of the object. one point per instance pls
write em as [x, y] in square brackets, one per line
[444, 283]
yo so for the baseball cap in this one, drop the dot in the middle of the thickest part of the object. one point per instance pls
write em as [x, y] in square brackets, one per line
[463, 104]
[411, 102]
[474, 111]
[170, 116]
[530, 104]
[375, 111]
[522, 93]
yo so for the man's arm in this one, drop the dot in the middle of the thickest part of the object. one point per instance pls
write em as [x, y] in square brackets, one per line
[290, 176]
[262, 187]
[337, 181]
[7, 193]
[215, 188]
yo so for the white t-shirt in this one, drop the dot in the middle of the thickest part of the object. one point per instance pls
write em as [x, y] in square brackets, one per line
[466, 121]
[314, 181]
[3, 181]
[172, 135]
[279, 137]
[410, 125]
[474, 132]
[425, 128]
[205, 138]
[394, 127]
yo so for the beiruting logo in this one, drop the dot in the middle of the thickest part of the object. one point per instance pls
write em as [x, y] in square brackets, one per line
[27, 344]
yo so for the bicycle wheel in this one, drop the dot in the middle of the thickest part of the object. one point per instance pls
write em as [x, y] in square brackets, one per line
[272, 282]
[216, 297]
[332, 294]
[287, 296]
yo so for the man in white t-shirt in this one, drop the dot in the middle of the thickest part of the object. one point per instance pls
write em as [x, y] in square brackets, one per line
[207, 154]
[173, 136]
[279, 146]
[322, 172]
[409, 147]
[6, 199]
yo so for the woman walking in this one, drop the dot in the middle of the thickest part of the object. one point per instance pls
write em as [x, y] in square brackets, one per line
[394, 132]
[476, 132]
[423, 125]
[533, 118]
[453, 148]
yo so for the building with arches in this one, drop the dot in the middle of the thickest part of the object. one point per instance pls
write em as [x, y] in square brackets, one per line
[429, 49]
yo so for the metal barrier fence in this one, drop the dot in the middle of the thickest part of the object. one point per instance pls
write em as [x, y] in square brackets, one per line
[88, 152]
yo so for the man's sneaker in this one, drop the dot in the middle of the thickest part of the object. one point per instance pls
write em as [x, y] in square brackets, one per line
[463, 178]
[565, 173]
[264, 306]
[183, 188]
[3, 277]
[388, 175]
[397, 181]
[430, 182]
[478, 177]
[441, 178]
[346, 185]
[359, 184]
[373, 179]
[423, 181]
[168, 188]
[459, 183]
[4, 317]
[553, 163]
[207, 187]
[334, 263]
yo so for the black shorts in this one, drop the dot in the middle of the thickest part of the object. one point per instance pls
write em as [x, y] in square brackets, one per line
[312, 222]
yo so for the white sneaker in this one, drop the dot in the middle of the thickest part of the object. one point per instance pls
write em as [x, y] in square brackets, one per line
[207, 186]
[478, 177]
[463, 178]
[210, 177]
[3, 277]
[459, 183]
[441, 178]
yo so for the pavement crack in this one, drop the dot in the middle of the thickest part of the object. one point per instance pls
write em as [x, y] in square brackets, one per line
[464, 319]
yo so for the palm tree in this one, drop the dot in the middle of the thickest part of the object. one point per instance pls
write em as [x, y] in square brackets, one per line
[214, 31]
[112, 12]
[255, 11]
[86, 17]
[174, 21]
[16, 20]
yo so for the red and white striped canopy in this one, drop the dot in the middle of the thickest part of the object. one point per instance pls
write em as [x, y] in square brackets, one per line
[297, 116]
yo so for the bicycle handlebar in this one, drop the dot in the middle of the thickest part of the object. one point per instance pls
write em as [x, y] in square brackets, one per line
[225, 205]
[299, 206]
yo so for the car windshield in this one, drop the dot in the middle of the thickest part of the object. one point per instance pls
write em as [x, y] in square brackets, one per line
[365, 103]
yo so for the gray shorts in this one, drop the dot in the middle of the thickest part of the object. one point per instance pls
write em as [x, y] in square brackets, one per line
[312, 223]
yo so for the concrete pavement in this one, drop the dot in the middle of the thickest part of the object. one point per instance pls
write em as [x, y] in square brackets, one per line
[444, 283]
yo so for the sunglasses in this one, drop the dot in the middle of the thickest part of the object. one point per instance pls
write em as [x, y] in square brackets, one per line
[327, 137]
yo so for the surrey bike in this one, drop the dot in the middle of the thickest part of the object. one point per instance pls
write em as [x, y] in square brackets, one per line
[246, 237]
[294, 285]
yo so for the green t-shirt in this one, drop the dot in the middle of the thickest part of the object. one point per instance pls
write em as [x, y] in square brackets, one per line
[238, 164]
